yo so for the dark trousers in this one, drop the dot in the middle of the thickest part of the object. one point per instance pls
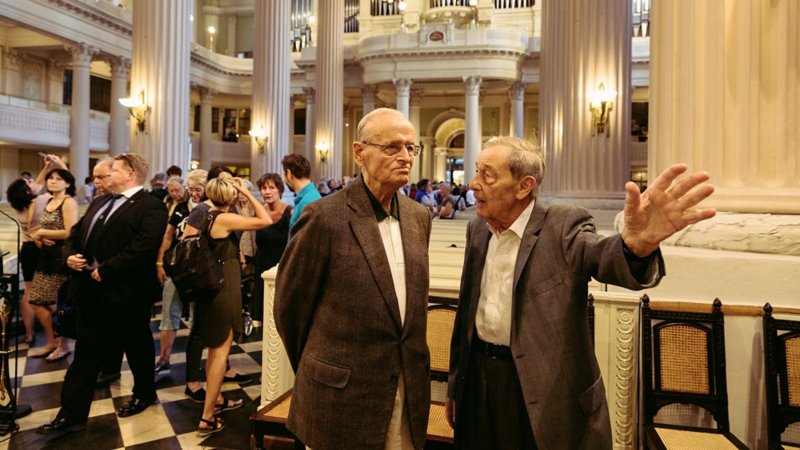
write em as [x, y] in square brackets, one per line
[493, 414]
[104, 328]
[112, 363]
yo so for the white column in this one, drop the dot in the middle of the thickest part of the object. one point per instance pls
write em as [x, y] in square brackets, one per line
[428, 158]
[212, 20]
[292, 108]
[743, 132]
[403, 91]
[441, 164]
[368, 94]
[160, 68]
[79, 118]
[582, 168]
[206, 139]
[517, 97]
[311, 135]
[330, 84]
[472, 125]
[9, 169]
[119, 135]
[55, 82]
[232, 35]
[271, 71]
[415, 102]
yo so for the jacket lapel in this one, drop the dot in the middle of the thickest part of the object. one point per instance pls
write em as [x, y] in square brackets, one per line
[481, 245]
[415, 243]
[90, 213]
[365, 229]
[529, 240]
[121, 210]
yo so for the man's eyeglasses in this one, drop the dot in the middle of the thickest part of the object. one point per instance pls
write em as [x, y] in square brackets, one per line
[393, 149]
[101, 177]
[128, 161]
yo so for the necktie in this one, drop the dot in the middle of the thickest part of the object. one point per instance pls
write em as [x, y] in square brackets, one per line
[88, 253]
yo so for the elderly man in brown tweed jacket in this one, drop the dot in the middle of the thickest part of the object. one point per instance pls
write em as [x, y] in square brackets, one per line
[523, 372]
[351, 303]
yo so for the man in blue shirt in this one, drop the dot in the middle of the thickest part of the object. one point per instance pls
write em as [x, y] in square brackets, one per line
[297, 173]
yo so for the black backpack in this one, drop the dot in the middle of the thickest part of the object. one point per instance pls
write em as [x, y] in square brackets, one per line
[195, 271]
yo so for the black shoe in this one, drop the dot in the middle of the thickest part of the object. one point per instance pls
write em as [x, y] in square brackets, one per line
[238, 379]
[134, 406]
[198, 396]
[60, 426]
[106, 379]
[162, 367]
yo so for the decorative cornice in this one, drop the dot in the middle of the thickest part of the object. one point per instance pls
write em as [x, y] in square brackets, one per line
[205, 64]
[117, 25]
[119, 65]
[393, 55]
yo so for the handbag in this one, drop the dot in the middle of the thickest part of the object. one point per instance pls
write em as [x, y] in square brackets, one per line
[195, 271]
[65, 317]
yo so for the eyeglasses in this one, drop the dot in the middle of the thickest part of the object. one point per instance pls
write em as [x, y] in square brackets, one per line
[393, 149]
[101, 177]
[196, 190]
[128, 161]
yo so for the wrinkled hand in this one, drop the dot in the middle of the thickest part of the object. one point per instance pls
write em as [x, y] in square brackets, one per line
[450, 412]
[662, 210]
[162, 275]
[96, 275]
[76, 262]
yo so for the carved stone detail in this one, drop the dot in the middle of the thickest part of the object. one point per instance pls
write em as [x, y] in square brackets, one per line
[119, 66]
[310, 94]
[517, 91]
[625, 378]
[55, 69]
[369, 92]
[416, 97]
[272, 360]
[82, 53]
[403, 85]
[206, 93]
[473, 84]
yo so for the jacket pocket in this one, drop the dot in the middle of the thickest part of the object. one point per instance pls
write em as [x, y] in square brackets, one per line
[329, 374]
[547, 284]
[593, 397]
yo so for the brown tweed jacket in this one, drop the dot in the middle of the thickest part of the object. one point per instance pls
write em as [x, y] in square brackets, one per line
[559, 254]
[338, 316]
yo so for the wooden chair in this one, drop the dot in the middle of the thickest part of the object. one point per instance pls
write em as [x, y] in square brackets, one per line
[687, 353]
[271, 421]
[782, 366]
[441, 320]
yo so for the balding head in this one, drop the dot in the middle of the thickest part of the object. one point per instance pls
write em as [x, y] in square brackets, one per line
[377, 120]
[100, 173]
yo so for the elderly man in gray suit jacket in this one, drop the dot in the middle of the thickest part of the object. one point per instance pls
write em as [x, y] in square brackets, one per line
[523, 372]
[351, 303]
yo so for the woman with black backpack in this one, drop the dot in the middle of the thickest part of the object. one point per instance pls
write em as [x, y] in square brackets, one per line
[220, 318]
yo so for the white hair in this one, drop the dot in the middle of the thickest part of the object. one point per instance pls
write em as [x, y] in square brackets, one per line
[524, 160]
[377, 112]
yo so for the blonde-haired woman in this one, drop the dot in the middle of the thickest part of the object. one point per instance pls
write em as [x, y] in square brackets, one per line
[220, 318]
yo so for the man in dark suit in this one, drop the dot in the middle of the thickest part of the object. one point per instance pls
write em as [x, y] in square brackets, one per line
[351, 303]
[113, 250]
[523, 372]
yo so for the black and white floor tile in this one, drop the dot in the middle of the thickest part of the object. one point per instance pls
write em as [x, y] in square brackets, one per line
[169, 424]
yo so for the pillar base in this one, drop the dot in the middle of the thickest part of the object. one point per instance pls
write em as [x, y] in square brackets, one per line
[609, 202]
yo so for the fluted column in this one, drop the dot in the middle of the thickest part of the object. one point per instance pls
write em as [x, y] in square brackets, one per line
[206, 139]
[330, 85]
[441, 164]
[415, 102]
[160, 68]
[271, 72]
[232, 35]
[82, 55]
[119, 135]
[472, 125]
[403, 86]
[292, 108]
[517, 97]
[582, 48]
[428, 158]
[311, 126]
[368, 94]
[742, 131]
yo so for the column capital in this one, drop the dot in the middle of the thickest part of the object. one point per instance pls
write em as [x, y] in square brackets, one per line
[416, 97]
[82, 53]
[440, 151]
[403, 85]
[206, 93]
[55, 68]
[119, 65]
[517, 91]
[369, 92]
[427, 140]
[14, 57]
[293, 99]
[481, 95]
[473, 84]
[310, 94]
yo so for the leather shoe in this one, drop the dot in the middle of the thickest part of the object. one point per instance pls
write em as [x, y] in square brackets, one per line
[163, 367]
[60, 426]
[134, 406]
[105, 379]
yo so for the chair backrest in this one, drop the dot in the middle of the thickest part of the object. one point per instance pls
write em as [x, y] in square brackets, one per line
[441, 320]
[591, 317]
[684, 361]
[782, 367]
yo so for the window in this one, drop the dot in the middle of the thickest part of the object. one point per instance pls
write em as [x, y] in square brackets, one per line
[229, 134]
[639, 177]
[196, 126]
[214, 120]
[67, 97]
[300, 121]
[99, 94]
[244, 122]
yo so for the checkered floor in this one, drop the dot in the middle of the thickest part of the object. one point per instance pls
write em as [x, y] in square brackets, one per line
[169, 424]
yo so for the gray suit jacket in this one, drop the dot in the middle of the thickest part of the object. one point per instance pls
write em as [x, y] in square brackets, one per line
[559, 254]
[338, 315]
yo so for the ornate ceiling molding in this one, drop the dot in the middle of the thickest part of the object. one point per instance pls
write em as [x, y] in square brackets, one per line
[95, 15]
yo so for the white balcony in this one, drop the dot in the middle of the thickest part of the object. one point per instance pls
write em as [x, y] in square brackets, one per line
[234, 153]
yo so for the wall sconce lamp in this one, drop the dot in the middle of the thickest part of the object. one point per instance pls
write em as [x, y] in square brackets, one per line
[322, 149]
[402, 7]
[260, 136]
[601, 104]
[137, 107]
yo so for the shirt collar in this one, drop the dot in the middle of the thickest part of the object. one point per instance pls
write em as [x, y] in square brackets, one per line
[518, 227]
[380, 213]
[306, 189]
[132, 191]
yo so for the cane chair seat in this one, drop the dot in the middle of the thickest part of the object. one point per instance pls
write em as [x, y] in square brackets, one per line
[441, 320]
[790, 447]
[438, 428]
[281, 410]
[782, 377]
[693, 440]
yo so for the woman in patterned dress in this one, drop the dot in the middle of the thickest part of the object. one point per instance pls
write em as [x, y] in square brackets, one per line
[60, 214]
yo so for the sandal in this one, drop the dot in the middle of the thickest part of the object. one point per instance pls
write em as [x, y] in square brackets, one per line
[57, 356]
[216, 425]
[229, 405]
[41, 353]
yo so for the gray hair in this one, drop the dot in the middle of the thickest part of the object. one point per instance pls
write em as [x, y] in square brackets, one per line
[159, 178]
[525, 159]
[197, 176]
[175, 180]
[377, 112]
[105, 159]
